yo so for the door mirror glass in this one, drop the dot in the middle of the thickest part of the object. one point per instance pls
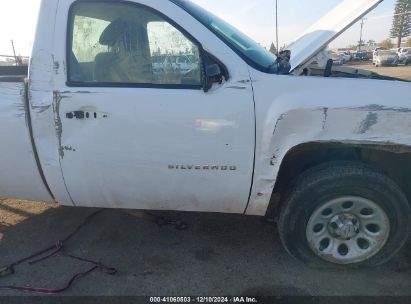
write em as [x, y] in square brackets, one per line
[213, 75]
[214, 71]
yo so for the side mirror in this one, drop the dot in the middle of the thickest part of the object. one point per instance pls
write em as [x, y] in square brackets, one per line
[212, 75]
[213, 70]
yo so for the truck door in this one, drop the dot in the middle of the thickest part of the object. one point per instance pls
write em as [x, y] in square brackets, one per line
[137, 137]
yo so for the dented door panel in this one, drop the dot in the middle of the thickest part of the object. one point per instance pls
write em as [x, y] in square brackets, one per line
[158, 149]
[151, 148]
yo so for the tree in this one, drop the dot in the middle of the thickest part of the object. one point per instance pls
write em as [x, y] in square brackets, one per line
[401, 25]
[386, 44]
[273, 49]
[371, 43]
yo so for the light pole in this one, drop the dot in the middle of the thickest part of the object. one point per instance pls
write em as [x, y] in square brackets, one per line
[361, 31]
[14, 51]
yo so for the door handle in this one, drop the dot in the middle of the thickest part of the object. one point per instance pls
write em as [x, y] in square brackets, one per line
[75, 114]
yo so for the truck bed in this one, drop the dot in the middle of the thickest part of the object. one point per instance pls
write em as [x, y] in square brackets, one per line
[13, 73]
[19, 174]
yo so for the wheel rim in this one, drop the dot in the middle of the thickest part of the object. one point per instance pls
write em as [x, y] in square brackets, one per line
[348, 230]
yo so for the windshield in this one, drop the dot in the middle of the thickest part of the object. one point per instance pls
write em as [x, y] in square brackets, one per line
[253, 53]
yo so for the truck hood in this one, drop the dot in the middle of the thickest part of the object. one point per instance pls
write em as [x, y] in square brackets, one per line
[328, 28]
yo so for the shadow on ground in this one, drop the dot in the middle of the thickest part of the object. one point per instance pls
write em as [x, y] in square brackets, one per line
[217, 255]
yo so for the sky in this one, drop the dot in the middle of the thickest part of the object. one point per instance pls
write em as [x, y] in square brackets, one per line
[256, 18]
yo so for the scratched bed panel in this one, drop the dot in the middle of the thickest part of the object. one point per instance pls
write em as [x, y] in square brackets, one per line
[19, 176]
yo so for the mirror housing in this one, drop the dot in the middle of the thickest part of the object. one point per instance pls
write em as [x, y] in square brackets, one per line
[213, 74]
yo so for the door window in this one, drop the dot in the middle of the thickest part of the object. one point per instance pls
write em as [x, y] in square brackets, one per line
[128, 44]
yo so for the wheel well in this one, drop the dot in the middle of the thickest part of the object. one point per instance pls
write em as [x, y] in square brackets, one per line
[393, 160]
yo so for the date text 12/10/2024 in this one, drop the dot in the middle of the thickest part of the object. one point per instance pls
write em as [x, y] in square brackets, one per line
[203, 300]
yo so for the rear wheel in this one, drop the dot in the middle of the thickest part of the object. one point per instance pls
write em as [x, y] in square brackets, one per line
[344, 213]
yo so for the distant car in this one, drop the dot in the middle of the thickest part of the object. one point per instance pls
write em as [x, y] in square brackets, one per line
[386, 58]
[174, 63]
[158, 64]
[374, 53]
[361, 56]
[403, 53]
[346, 56]
[406, 59]
[186, 63]
[170, 63]
[337, 59]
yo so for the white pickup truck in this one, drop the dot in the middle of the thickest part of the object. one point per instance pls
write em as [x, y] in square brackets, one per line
[93, 126]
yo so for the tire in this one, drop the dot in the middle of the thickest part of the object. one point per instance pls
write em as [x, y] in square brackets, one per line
[335, 186]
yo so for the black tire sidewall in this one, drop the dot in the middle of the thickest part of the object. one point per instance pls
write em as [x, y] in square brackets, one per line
[317, 187]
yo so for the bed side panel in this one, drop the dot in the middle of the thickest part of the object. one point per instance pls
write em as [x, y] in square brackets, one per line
[19, 174]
